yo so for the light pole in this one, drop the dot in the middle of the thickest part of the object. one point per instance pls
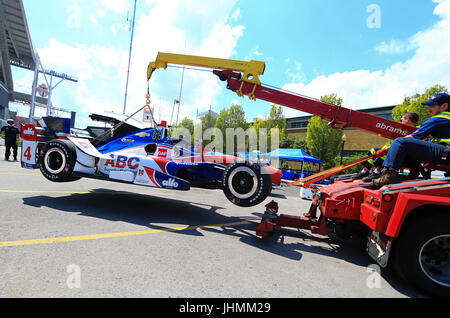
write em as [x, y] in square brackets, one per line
[129, 58]
[344, 139]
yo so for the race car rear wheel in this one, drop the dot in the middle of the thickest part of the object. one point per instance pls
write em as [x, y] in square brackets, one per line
[246, 184]
[57, 159]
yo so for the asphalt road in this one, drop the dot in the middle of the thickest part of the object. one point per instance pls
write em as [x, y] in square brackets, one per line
[94, 238]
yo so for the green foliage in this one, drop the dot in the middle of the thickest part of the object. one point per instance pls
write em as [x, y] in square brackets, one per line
[207, 121]
[414, 104]
[354, 169]
[275, 119]
[294, 143]
[188, 124]
[233, 117]
[258, 124]
[323, 141]
[332, 99]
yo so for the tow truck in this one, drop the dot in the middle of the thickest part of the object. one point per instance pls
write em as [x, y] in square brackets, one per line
[406, 225]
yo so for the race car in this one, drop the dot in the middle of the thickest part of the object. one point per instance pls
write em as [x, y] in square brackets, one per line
[141, 156]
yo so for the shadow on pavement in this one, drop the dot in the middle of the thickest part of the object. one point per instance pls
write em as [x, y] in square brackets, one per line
[149, 211]
[139, 209]
[276, 195]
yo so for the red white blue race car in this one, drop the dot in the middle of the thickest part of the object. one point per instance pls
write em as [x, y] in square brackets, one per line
[145, 157]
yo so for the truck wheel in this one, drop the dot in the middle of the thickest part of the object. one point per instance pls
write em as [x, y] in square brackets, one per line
[246, 184]
[422, 254]
[57, 159]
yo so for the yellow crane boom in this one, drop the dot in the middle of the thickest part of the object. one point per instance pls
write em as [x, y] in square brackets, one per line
[251, 69]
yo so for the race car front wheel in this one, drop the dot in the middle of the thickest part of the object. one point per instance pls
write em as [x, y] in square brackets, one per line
[246, 184]
[57, 159]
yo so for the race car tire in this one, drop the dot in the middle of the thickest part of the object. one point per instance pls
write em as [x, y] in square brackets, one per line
[246, 184]
[57, 159]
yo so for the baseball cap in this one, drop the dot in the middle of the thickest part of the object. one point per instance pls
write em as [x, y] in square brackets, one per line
[9, 120]
[438, 99]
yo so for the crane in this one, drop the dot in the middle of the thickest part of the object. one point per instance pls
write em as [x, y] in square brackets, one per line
[405, 224]
[242, 77]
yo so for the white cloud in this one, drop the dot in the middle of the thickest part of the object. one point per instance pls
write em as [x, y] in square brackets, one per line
[259, 116]
[97, 69]
[167, 27]
[255, 51]
[254, 54]
[84, 62]
[297, 75]
[119, 27]
[394, 47]
[118, 6]
[428, 66]
[236, 14]
[93, 19]
[57, 55]
[73, 16]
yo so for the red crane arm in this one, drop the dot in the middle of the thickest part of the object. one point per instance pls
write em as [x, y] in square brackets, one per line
[338, 116]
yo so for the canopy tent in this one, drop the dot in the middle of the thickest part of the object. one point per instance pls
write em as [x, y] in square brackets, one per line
[251, 155]
[294, 155]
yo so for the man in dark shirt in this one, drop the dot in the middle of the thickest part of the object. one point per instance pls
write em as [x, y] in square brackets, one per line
[414, 148]
[11, 134]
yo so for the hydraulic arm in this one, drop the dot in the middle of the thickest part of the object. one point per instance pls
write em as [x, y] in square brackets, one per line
[243, 78]
[338, 116]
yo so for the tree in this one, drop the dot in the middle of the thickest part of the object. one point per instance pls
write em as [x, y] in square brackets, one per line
[207, 121]
[275, 120]
[414, 104]
[188, 125]
[323, 141]
[261, 144]
[354, 169]
[233, 117]
[294, 143]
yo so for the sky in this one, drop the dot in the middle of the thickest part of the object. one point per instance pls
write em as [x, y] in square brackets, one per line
[370, 53]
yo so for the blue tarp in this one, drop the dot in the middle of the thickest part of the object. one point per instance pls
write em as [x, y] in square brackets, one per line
[293, 154]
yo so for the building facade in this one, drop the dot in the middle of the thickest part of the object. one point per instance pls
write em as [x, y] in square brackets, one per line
[15, 49]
